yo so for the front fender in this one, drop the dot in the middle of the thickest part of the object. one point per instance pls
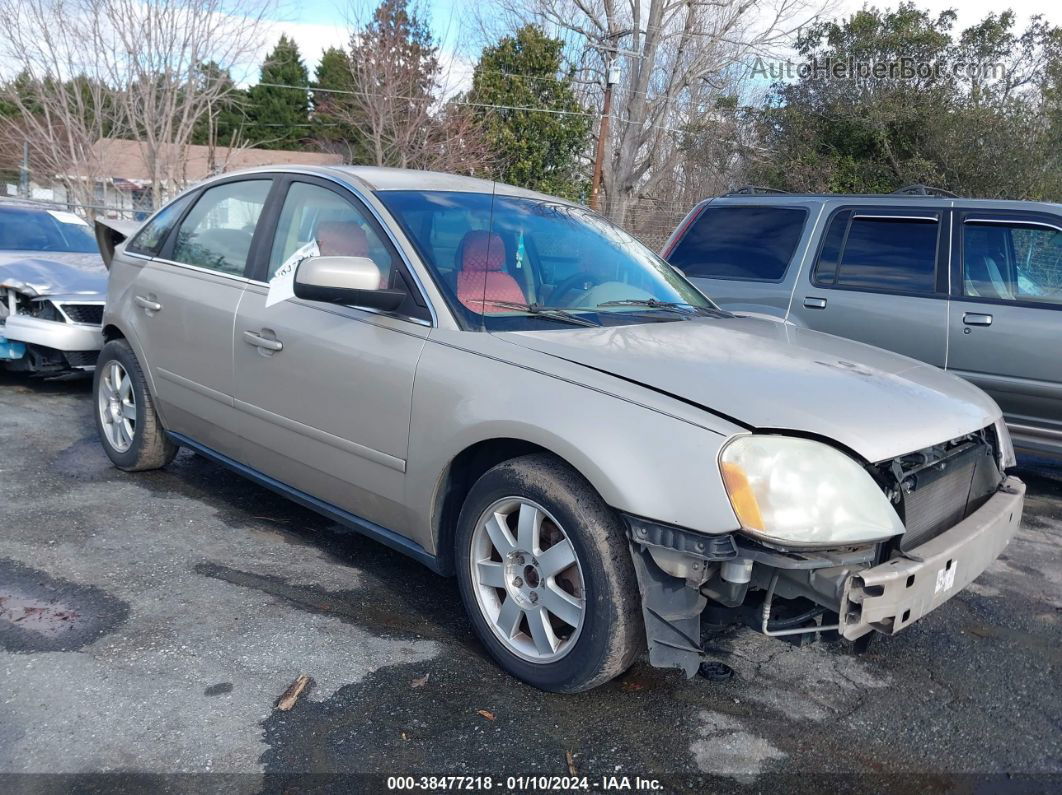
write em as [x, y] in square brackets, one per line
[640, 460]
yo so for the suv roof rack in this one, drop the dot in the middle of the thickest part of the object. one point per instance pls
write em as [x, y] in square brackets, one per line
[917, 189]
[754, 190]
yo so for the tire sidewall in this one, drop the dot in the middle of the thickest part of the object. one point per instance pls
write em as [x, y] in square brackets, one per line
[581, 514]
[119, 350]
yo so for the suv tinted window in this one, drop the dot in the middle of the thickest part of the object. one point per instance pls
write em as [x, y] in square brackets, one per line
[897, 254]
[153, 234]
[217, 232]
[1012, 261]
[740, 242]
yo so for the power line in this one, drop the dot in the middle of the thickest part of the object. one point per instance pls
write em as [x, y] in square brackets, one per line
[466, 103]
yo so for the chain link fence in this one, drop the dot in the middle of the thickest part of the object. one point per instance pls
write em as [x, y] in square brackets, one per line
[652, 222]
[132, 204]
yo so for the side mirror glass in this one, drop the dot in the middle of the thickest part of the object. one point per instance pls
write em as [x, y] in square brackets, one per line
[353, 281]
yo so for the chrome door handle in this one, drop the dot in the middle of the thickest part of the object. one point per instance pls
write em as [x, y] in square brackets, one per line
[976, 319]
[147, 303]
[261, 342]
[811, 302]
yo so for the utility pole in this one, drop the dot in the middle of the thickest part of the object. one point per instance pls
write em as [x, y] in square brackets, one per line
[602, 135]
[24, 172]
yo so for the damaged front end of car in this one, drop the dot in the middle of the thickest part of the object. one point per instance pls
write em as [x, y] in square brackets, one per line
[51, 318]
[827, 543]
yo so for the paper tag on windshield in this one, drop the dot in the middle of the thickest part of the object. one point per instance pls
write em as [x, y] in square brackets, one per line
[282, 285]
[63, 217]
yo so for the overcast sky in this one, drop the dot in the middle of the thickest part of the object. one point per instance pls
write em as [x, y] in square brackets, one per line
[318, 24]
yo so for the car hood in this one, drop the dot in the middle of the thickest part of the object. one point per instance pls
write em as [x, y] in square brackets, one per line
[36, 273]
[770, 375]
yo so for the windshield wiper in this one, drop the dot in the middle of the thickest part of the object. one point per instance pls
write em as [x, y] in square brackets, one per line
[552, 312]
[676, 306]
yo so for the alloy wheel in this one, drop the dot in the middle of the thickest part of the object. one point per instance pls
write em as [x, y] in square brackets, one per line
[527, 580]
[117, 406]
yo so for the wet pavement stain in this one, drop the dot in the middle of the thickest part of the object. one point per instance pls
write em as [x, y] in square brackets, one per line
[40, 613]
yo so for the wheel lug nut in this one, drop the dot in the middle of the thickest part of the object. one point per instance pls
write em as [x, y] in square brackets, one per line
[518, 583]
[533, 597]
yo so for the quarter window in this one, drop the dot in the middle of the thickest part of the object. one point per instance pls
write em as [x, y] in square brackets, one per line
[218, 231]
[1012, 261]
[880, 252]
[312, 214]
[740, 243]
[151, 237]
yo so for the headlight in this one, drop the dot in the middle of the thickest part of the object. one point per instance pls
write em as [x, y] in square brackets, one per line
[798, 492]
[1007, 458]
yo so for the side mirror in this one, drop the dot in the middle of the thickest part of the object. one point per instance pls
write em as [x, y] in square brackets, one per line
[353, 281]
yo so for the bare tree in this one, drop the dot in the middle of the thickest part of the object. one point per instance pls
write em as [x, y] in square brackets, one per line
[391, 103]
[59, 101]
[120, 68]
[156, 52]
[678, 58]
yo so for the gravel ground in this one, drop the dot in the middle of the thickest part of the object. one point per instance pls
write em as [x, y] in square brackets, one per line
[149, 623]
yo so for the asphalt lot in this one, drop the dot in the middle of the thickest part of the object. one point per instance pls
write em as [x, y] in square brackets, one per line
[149, 623]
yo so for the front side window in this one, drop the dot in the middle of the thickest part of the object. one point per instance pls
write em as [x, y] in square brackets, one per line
[1012, 261]
[153, 234]
[880, 252]
[336, 228]
[218, 230]
[500, 260]
[745, 242]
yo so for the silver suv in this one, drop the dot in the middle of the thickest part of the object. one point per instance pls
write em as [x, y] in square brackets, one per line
[973, 286]
[508, 388]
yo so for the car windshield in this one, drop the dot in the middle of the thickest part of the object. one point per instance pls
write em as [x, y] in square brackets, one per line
[508, 263]
[30, 229]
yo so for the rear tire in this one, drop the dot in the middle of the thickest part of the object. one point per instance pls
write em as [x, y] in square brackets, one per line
[559, 629]
[126, 420]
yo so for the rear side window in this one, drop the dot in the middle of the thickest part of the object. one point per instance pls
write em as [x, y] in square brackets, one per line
[217, 232]
[1008, 260]
[150, 238]
[740, 243]
[879, 252]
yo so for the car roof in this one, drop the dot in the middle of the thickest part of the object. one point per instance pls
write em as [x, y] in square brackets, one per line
[18, 203]
[380, 178]
[882, 199]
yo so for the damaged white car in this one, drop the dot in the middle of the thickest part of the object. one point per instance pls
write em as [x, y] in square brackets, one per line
[52, 290]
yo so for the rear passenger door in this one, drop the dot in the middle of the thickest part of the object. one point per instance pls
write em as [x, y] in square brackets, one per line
[1006, 318]
[739, 254]
[184, 305]
[880, 277]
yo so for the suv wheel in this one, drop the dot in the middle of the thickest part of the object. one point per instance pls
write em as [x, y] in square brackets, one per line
[128, 425]
[546, 576]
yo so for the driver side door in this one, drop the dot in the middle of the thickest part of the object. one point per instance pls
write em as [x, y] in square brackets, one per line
[323, 391]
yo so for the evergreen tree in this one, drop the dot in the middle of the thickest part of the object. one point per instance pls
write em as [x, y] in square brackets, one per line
[223, 124]
[279, 116]
[535, 150]
[334, 109]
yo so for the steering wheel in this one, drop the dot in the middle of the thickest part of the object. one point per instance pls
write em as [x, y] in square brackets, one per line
[581, 281]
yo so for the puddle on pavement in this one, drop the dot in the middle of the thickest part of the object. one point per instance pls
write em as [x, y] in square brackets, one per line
[40, 613]
[50, 619]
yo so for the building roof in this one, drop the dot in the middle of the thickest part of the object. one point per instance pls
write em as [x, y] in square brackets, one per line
[123, 159]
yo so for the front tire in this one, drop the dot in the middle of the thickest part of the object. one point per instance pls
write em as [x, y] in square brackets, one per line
[126, 420]
[546, 576]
